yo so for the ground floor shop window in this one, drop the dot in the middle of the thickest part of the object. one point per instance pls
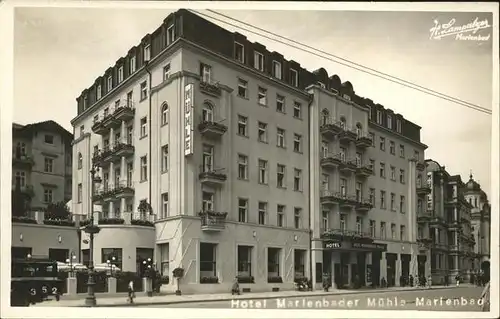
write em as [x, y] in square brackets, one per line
[299, 262]
[20, 252]
[144, 260]
[208, 263]
[58, 254]
[164, 250]
[273, 265]
[112, 254]
[245, 261]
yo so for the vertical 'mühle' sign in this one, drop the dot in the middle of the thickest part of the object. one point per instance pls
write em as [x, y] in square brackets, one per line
[188, 119]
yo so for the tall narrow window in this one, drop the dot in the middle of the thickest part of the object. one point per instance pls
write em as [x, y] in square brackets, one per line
[242, 88]
[243, 167]
[297, 217]
[262, 213]
[262, 132]
[281, 215]
[132, 65]
[164, 162]
[239, 52]
[297, 110]
[297, 180]
[207, 202]
[170, 35]
[242, 210]
[206, 73]
[164, 206]
[120, 74]
[242, 125]
[277, 69]
[208, 154]
[294, 78]
[144, 124]
[280, 178]
[166, 72]
[262, 171]
[164, 114]
[258, 60]
[280, 103]
[262, 96]
[144, 168]
[280, 137]
[147, 53]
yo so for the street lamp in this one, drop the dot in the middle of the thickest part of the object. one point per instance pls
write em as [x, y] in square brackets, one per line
[70, 262]
[111, 263]
[149, 276]
[91, 229]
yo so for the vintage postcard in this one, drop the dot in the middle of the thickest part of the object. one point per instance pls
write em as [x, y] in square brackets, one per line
[237, 159]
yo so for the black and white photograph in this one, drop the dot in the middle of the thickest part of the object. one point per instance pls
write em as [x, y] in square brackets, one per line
[249, 159]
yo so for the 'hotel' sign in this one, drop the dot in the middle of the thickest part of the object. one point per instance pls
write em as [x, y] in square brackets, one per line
[188, 119]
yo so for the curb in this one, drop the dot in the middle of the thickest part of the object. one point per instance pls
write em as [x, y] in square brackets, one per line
[263, 298]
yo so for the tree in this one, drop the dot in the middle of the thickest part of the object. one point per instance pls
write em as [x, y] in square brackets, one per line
[144, 207]
[19, 201]
[57, 211]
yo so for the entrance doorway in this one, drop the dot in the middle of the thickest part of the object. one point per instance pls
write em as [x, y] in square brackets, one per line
[391, 269]
[485, 267]
[361, 268]
[376, 256]
[421, 259]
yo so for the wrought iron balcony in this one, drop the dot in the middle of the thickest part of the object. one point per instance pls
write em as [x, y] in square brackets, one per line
[363, 169]
[23, 161]
[99, 128]
[212, 89]
[423, 189]
[330, 160]
[328, 197]
[212, 177]
[114, 154]
[420, 165]
[212, 129]
[424, 216]
[363, 141]
[347, 136]
[348, 166]
[348, 201]
[426, 242]
[124, 113]
[123, 189]
[122, 149]
[346, 235]
[363, 204]
[212, 221]
[110, 121]
[330, 128]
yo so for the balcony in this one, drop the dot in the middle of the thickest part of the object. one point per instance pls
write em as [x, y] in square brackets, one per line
[363, 205]
[23, 161]
[122, 149]
[27, 190]
[454, 249]
[114, 154]
[212, 177]
[110, 121]
[347, 136]
[423, 189]
[212, 129]
[348, 166]
[363, 170]
[112, 192]
[98, 128]
[212, 221]
[424, 242]
[436, 221]
[330, 128]
[346, 235]
[363, 141]
[454, 225]
[348, 201]
[424, 216]
[330, 160]
[420, 166]
[210, 89]
[124, 113]
[328, 197]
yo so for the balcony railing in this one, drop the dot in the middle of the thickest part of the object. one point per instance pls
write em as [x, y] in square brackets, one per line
[345, 234]
[328, 197]
[114, 191]
[348, 166]
[27, 190]
[347, 201]
[330, 160]
[212, 176]
[423, 189]
[124, 112]
[23, 161]
[212, 89]
[212, 129]
[348, 135]
[363, 140]
[212, 221]
[363, 169]
[363, 204]
[108, 154]
[330, 127]
[420, 165]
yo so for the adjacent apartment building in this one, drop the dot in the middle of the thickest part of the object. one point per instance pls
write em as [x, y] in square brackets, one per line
[238, 153]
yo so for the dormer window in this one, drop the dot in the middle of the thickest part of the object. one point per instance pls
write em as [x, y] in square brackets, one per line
[369, 112]
[346, 97]
[99, 91]
[132, 64]
[398, 126]
[170, 35]
[294, 77]
[85, 102]
[239, 52]
[389, 122]
[277, 69]
[147, 53]
[110, 83]
[321, 84]
[258, 61]
[379, 117]
[206, 73]
[120, 74]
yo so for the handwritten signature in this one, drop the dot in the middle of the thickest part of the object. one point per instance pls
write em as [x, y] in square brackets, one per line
[439, 31]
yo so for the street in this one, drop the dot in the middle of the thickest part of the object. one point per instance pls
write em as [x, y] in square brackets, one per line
[453, 299]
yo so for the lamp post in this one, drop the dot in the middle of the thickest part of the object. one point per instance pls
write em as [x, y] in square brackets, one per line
[70, 262]
[111, 263]
[91, 229]
[149, 276]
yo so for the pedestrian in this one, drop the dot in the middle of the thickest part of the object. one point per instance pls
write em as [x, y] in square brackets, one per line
[457, 278]
[411, 280]
[235, 289]
[429, 281]
[131, 292]
[446, 280]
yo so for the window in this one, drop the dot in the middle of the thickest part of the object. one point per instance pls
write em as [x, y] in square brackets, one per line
[326, 223]
[297, 180]
[242, 210]
[280, 175]
[297, 110]
[393, 231]
[244, 261]
[382, 199]
[242, 88]
[297, 217]
[359, 160]
[273, 262]
[420, 232]
[130, 135]
[392, 147]
[343, 123]
[382, 143]
[297, 143]
[419, 206]
[85, 103]
[294, 78]
[393, 201]
[147, 53]
[144, 90]
[372, 166]
[277, 69]
[401, 151]
[164, 113]
[21, 179]
[343, 187]
[170, 34]
[243, 167]
[144, 168]
[398, 126]
[281, 215]
[372, 196]
[164, 205]
[416, 155]
[324, 149]
[321, 84]
[379, 117]
[47, 195]
[80, 160]
[166, 72]
[49, 165]
[206, 73]
[389, 122]
[110, 83]
[207, 204]
[239, 52]
[144, 124]
[262, 134]
[402, 204]
[383, 233]
[262, 96]
[262, 172]
[359, 192]
[325, 182]
[130, 98]
[132, 65]
[130, 173]
[393, 173]
[280, 103]
[120, 74]
[402, 176]
[382, 170]
[262, 213]
[372, 229]
[117, 104]
[207, 113]
[281, 137]
[164, 161]
[99, 91]
[208, 157]
[242, 125]
[49, 139]
[372, 138]
[359, 225]
[79, 196]
[343, 222]
[258, 61]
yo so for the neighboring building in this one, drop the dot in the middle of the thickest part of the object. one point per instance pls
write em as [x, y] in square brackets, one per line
[224, 139]
[41, 162]
[481, 227]
[445, 225]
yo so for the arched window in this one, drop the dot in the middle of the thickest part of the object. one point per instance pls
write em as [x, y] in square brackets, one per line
[343, 122]
[475, 202]
[359, 130]
[164, 114]
[208, 112]
[324, 117]
[80, 160]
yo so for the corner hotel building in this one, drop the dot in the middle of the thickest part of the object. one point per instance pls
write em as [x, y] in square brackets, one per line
[240, 152]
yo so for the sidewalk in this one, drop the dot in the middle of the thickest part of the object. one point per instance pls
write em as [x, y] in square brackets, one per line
[120, 301]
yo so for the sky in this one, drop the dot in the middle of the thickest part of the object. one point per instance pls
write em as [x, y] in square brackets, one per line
[58, 52]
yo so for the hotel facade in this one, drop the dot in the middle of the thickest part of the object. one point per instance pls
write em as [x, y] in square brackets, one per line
[246, 164]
